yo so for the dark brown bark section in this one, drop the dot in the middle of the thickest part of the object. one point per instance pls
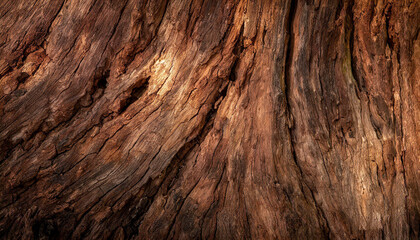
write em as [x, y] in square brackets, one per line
[209, 119]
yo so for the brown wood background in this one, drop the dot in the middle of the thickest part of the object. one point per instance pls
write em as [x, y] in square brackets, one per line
[209, 119]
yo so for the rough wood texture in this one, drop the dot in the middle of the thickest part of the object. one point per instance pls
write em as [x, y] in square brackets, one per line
[189, 119]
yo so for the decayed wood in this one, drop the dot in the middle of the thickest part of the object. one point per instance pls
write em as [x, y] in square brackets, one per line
[183, 119]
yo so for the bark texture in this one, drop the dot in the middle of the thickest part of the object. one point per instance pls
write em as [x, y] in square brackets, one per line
[205, 119]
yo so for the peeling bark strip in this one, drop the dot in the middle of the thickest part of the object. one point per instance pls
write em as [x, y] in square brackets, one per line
[203, 119]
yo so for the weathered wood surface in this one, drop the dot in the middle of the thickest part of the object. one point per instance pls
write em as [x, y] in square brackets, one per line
[209, 119]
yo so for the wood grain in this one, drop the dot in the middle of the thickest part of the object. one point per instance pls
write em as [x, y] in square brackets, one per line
[203, 119]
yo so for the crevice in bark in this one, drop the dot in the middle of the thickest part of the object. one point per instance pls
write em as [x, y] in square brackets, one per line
[353, 64]
[389, 37]
[54, 17]
[287, 67]
[237, 51]
[288, 76]
[339, 9]
[22, 77]
[100, 81]
[135, 93]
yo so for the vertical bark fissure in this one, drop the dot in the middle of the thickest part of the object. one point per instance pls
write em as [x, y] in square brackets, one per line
[288, 79]
[288, 73]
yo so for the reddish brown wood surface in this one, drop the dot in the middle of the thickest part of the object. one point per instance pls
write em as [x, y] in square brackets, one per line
[204, 119]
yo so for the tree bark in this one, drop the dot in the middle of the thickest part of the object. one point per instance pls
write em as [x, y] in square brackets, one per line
[190, 119]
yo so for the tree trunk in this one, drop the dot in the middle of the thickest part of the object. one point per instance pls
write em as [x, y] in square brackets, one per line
[190, 119]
